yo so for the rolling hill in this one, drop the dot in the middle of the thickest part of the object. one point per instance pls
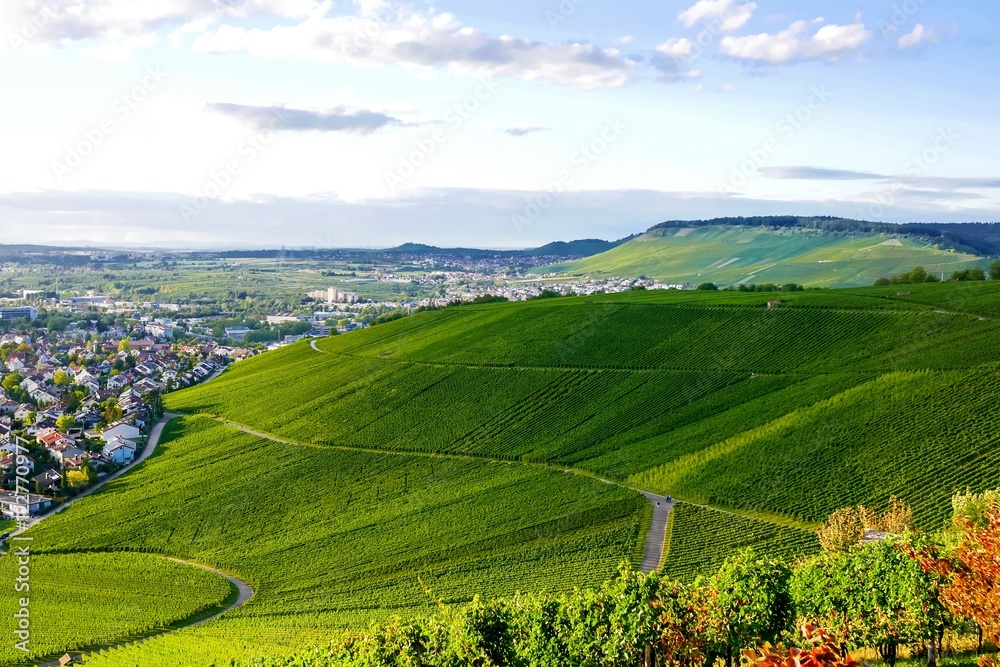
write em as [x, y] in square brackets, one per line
[433, 457]
[731, 255]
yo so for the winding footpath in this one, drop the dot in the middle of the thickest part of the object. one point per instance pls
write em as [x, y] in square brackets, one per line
[244, 591]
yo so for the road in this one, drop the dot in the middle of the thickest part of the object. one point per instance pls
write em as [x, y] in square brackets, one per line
[154, 439]
[657, 535]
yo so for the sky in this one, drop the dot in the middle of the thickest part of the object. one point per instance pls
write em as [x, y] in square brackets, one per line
[369, 123]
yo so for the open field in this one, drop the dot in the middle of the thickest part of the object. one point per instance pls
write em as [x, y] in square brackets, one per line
[729, 256]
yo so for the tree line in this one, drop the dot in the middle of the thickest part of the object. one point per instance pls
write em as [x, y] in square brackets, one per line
[869, 587]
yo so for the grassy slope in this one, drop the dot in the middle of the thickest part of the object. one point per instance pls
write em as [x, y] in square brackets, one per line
[699, 529]
[720, 405]
[82, 600]
[820, 260]
[835, 397]
[334, 539]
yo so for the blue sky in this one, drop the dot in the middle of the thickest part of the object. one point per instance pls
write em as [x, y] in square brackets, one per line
[371, 123]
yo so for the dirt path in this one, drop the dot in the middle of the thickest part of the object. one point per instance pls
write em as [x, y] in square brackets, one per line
[655, 538]
[154, 439]
[657, 534]
[245, 592]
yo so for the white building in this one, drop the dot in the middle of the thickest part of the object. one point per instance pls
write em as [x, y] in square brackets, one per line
[120, 450]
[119, 429]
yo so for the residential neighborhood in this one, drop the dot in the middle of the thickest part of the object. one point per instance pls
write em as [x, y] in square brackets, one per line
[78, 404]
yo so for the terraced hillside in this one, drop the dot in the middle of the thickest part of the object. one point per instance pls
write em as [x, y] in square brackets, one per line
[433, 451]
[734, 255]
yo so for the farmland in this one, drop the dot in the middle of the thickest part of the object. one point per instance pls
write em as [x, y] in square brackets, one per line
[334, 539]
[434, 455]
[82, 600]
[825, 392]
[706, 537]
[733, 255]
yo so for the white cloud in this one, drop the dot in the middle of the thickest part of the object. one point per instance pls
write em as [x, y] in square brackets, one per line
[794, 44]
[37, 24]
[728, 12]
[679, 48]
[919, 35]
[427, 41]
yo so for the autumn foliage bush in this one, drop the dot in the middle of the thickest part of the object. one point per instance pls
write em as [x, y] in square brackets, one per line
[820, 650]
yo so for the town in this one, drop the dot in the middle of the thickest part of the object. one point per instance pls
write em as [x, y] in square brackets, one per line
[79, 402]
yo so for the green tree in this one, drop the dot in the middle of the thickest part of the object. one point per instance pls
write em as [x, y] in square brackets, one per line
[749, 603]
[61, 378]
[12, 381]
[125, 345]
[708, 287]
[875, 595]
[995, 270]
[65, 423]
[918, 275]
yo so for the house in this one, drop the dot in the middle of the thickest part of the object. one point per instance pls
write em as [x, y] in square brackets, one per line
[23, 410]
[8, 407]
[773, 304]
[146, 386]
[48, 481]
[66, 660]
[13, 505]
[121, 429]
[12, 461]
[117, 382]
[50, 438]
[120, 450]
[66, 452]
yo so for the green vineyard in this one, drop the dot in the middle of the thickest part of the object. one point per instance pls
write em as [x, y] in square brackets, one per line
[706, 537]
[80, 600]
[332, 539]
[486, 450]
